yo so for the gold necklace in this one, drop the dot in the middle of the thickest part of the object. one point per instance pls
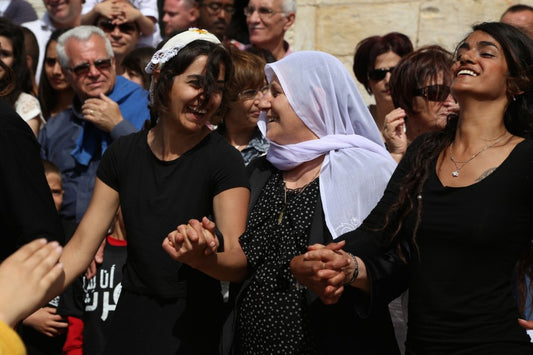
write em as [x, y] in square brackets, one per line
[455, 173]
[297, 190]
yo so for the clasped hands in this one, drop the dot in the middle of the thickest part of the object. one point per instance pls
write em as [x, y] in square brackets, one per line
[324, 269]
[118, 11]
[191, 243]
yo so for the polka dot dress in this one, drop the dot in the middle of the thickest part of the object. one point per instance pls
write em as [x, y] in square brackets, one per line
[272, 313]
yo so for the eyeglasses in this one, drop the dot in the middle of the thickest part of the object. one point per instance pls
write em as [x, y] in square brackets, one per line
[249, 94]
[216, 7]
[50, 61]
[263, 12]
[83, 69]
[127, 27]
[437, 93]
[379, 74]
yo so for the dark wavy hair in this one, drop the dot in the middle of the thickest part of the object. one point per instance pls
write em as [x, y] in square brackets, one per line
[23, 80]
[417, 69]
[370, 48]
[217, 56]
[518, 119]
[48, 96]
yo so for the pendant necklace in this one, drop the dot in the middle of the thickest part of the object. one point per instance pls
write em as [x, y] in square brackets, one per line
[297, 190]
[460, 164]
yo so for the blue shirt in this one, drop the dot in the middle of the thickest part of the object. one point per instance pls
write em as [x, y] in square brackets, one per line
[67, 132]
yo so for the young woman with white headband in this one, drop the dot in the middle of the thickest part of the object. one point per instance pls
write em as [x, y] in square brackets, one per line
[162, 177]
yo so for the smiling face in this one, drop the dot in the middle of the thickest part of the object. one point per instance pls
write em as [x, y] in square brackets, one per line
[283, 124]
[267, 30]
[52, 69]
[480, 68]
[380, 88]
[186, 105]
[95, 81]
[64, 13]
[245, 110]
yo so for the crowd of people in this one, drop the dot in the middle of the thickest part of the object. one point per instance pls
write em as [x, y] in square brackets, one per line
[206, 190]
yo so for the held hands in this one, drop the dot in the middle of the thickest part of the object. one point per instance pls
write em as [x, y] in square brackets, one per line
[192, 242]
[394, 133]
[46, 320]
[325, 270]
[103, 112]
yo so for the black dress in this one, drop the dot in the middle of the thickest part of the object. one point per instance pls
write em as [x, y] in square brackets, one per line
[166, 307]
[469, 240]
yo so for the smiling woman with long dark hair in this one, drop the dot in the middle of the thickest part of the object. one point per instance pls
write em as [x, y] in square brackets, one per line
[458, 209]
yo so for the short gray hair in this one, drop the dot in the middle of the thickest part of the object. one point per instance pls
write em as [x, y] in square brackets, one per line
[288, 6]
[81, 33]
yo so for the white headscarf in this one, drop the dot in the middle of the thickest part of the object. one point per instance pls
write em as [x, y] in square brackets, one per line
[356, 166]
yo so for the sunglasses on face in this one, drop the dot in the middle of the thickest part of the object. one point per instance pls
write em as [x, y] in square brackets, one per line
[437, 93]
[216, 7]
[127, 28]
[83, 69]
[379, 74]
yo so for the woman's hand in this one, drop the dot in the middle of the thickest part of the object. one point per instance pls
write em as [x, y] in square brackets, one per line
[324, 269]
[394, 133]
[190, 243]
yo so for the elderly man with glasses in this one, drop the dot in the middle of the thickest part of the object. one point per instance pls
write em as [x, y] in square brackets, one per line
[105, 107]
[267, 22]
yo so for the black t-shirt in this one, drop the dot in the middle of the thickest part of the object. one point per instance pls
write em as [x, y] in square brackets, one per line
[469, 240]
[27, 210]
[156, 196]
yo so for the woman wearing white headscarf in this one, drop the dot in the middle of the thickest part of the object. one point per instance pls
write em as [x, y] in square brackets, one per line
[326, 168]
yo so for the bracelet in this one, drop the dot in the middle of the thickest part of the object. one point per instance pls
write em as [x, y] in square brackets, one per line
[356, 270]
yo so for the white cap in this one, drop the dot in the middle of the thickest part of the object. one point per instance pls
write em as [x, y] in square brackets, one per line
[173, 46]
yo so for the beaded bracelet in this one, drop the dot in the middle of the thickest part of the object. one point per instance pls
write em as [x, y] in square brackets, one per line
[356, 270]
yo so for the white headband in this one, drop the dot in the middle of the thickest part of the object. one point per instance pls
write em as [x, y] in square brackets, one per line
[175, 44]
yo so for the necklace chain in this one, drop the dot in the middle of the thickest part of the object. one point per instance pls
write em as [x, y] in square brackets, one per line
[297, 190]
[456, 163]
